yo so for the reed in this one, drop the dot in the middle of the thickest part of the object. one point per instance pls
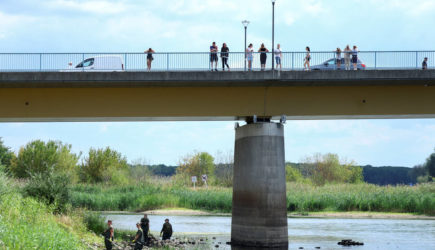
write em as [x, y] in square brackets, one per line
[301, 197]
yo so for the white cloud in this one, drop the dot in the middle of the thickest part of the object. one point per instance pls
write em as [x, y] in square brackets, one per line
[96, 7]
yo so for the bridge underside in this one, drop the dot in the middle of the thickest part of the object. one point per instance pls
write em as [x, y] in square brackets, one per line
[215, 103]
[136, 96]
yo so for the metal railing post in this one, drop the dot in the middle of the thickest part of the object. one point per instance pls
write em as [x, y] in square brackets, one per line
[416, 60]
[40, 61]
[293, 60]
[125, 61]
[376, 56]
[167, 61]
[83, 62]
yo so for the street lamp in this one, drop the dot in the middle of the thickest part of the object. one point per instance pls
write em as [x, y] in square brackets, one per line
[245, 24]
[273, 34]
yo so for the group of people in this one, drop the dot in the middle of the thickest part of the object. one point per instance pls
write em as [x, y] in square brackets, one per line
[142, 235]
[349, 56]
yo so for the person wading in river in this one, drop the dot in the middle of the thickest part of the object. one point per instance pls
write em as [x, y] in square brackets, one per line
[139, 238]
[145, 225]
[166, 230]
[108, 235]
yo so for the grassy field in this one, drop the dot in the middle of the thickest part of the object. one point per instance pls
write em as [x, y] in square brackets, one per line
[28, 224]
[300, 198]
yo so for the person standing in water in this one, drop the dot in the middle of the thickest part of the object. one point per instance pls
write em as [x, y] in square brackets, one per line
[166, 230]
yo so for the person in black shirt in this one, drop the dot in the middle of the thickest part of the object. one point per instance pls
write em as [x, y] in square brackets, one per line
[263, 56]
[139, 238]
[166, 230]
[224, 56]
[424, 64]
[108, 235]
[145, 225]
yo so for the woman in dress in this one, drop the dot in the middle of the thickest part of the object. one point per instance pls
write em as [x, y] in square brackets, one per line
[263, 56]
[150, 58]
[307, 59]
[250, 55]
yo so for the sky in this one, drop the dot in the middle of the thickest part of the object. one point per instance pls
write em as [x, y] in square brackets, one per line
[191, 25]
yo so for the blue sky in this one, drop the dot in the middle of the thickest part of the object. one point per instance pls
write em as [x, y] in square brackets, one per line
[190, 25]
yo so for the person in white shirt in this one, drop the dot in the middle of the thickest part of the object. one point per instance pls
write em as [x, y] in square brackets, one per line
[250, 56]
[278, 56]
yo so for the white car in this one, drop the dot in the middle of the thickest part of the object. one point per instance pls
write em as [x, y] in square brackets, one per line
[99, 63]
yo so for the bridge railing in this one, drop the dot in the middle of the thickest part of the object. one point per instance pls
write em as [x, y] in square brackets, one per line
[199, 61]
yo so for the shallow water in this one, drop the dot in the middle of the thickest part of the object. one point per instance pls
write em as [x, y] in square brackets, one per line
[303, 232]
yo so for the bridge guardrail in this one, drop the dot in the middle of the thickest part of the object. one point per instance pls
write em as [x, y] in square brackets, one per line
[200, 61]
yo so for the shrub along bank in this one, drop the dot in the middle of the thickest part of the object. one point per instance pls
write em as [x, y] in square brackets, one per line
[26, 223]
[418, 199]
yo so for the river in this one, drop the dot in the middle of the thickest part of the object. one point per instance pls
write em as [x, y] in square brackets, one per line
[308, 233]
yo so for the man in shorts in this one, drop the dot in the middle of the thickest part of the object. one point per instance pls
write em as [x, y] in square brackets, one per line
[213, 56]
[424, 64]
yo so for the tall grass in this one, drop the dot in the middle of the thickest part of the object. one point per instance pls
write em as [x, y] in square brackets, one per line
[26, 223]
[300, 197]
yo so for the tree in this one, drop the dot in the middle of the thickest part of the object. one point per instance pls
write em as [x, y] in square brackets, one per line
[104, 165]
[197, 165]
[6, 155]
[40, 157]
[328, 169]
[292, 174]
[430, 165]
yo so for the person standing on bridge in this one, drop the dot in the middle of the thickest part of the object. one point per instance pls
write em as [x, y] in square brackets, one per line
[338, 58]
[424, 64]
[150, 58]
[250, 56]
[347, 52]
[307, 59]
[224, 55]
[278, 56]
[355, 57]
[263, 56]
[213, 56]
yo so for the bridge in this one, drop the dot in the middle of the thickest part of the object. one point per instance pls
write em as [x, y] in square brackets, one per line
[259, 192]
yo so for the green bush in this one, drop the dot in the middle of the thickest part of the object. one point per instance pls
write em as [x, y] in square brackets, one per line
[40, 157]
[51, 188]
[104, 165]
[94, 222]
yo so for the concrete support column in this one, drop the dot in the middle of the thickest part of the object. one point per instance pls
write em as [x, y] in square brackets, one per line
[259, 192]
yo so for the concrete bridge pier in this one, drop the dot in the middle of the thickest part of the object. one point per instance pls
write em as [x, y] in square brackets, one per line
[259, 216]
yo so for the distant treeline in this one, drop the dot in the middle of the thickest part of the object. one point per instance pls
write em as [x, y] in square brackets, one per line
[385, 175]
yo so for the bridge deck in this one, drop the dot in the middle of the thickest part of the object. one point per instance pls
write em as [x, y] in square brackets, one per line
[132, 96]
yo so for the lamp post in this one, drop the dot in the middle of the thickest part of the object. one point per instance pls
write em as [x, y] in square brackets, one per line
[273, 34]
[245, 24]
